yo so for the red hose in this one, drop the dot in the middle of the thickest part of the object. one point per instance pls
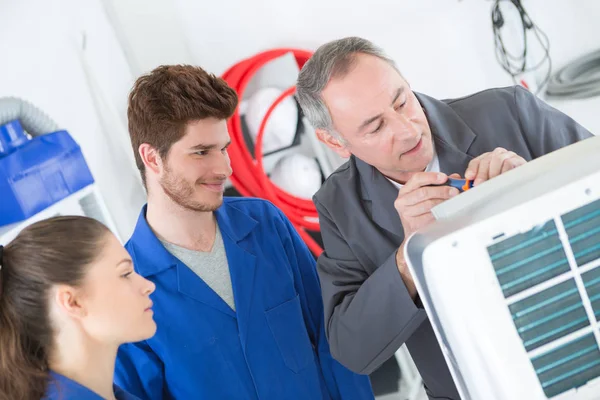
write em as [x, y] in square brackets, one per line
[249, 177]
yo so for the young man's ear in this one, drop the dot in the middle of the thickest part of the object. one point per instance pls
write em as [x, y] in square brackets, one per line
[150, 157]
[333, 142]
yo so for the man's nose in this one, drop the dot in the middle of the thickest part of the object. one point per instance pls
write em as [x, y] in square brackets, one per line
[222, 166]
[402, 128]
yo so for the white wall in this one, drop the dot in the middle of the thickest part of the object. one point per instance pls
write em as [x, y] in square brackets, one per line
[149, 31]
[445, 48]
[40, 63]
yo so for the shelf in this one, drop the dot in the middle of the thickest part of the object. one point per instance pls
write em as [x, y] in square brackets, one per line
[85, 202]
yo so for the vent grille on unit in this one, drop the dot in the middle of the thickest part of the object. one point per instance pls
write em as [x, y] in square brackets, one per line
[550, 278]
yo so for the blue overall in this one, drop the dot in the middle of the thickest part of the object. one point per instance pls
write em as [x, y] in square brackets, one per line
[62, 388]
[272, 347]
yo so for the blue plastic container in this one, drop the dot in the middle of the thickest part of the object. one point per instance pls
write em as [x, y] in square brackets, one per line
[37, 173]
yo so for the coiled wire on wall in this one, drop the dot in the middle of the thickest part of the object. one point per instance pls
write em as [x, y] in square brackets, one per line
[579, 79]
[249, 177]
[515, 65]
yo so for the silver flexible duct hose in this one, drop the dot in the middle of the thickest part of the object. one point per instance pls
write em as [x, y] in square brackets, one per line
[578, 80]
[33, 120]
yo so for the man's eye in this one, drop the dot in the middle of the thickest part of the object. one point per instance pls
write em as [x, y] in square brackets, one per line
[378, 127]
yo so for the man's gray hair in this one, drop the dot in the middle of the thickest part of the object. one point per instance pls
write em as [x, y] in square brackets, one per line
[331, 60]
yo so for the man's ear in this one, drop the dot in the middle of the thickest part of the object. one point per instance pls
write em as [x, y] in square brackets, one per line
[333, 142]
[150, 157]
[69, 302]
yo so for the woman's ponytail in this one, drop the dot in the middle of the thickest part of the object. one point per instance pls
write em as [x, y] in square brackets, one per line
[23, 368]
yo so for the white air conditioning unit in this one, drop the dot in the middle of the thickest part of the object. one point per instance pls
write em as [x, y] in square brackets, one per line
[509, 275]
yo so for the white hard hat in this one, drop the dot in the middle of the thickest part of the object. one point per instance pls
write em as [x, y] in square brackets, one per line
[298, 175]
[281, 127]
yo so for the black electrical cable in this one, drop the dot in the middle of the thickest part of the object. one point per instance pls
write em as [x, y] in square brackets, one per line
[516, 65]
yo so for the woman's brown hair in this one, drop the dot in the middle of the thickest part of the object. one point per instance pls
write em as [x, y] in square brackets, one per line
[50, 252]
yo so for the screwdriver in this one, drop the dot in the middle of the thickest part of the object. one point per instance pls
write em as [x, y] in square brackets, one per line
[461, 184]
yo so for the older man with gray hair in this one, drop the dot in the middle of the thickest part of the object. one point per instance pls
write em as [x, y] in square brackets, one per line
[402, 146]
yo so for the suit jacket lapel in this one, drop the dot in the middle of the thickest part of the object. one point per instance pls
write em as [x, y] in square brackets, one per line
[452, 139]
[451, 135]
[451, 159]
[379, 194]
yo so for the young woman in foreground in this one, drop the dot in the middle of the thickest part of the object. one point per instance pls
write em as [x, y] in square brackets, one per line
[69, 296]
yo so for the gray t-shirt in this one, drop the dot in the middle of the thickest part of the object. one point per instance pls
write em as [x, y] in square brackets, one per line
[211, 266]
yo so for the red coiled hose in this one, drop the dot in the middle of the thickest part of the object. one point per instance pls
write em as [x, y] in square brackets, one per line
[249, 177]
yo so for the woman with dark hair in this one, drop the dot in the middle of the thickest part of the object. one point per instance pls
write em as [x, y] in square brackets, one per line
[69, 297]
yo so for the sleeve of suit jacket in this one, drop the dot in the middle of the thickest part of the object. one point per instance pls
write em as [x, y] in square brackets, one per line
[367, 317]
[545, 128]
